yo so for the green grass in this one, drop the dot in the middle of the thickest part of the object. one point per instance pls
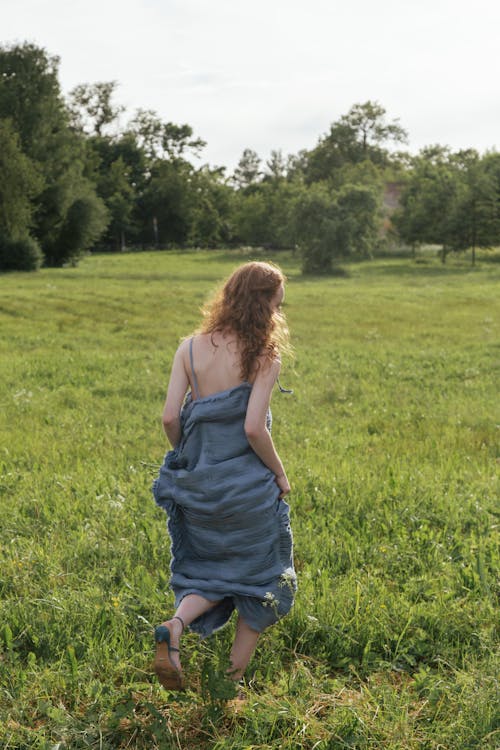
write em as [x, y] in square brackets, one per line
[390, 440]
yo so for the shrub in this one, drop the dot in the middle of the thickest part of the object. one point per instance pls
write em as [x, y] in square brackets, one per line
[20, 255]
[336, 224]
[85, 221]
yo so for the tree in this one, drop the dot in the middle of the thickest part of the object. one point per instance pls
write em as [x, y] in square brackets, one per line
[120, 170]
[23, 254]
[297, 165]
[248, 171]
[146, 129]
[331, 225]
[361, 134]
[84, 222]
[167, 199]
[316, 220]
[118, 194]
[177, 140]
[276, 166]
[91, 108]
[163, 140]
[264, 215]
[427, 200]
[358, 220]
[475, 220]
[20, 182]
[367, 123]
[30, 95]
[212, 208]
[491, 166]
[451, 200]
[252, 218]
[166, 205]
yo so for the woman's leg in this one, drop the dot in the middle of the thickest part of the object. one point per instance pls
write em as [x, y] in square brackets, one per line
[243, 647]
[191, 607]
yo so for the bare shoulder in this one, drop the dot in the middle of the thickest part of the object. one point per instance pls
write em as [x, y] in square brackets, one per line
[267, 369]
[181, 357]
[183, 347]
[203, 340]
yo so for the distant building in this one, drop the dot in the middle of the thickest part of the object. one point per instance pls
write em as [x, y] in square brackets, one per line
[390, 202]
[392, 194]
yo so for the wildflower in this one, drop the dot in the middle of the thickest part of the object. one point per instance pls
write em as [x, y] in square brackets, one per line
[288, 578]
[269, 600]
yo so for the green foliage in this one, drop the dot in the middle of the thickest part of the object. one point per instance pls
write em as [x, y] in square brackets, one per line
[326, 200]
[356, 137]
[84, 222]
[167, 203]
[276, 166]
[316, 220]
[476, 219]
[248, 171]
[74, 184]
[212, 209]
[358, 222]
[119, 168]
[364, 173]
[92, 102]
[119, 192]
[450, 199]
[367, 122]
[163, 140]
[334, 225]
[30, 95]
[19, 255]
[19, 184]
[282, 197]
[252, 219]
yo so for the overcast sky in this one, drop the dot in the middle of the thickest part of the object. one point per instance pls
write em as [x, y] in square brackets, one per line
[274, 74]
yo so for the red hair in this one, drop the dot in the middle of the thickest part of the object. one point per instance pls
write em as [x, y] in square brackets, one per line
[243, 307]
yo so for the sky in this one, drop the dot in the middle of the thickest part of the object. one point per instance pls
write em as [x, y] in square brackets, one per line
[275, 74]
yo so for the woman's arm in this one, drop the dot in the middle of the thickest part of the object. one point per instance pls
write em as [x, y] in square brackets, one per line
[256, 430]
[177, 387]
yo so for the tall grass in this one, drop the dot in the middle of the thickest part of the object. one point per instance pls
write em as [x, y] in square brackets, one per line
[390, 440]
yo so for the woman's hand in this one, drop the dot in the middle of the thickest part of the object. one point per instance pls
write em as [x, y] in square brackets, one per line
[284, 485]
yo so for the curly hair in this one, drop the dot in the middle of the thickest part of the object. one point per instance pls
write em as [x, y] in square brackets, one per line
[243, 307]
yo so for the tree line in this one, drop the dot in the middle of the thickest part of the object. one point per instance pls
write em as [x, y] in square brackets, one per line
[73, 180]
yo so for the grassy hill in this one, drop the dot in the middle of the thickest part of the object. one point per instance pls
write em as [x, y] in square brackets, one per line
[390, 440]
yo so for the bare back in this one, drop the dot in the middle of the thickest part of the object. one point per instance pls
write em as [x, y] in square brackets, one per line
[216, 362]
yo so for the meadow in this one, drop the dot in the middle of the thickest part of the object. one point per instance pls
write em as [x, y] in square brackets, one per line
[390, 439]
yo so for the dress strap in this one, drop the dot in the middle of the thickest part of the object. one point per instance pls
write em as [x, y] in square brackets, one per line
[195, 379]
[283, 390]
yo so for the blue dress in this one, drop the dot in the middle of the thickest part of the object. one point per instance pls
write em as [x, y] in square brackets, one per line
[230, 533]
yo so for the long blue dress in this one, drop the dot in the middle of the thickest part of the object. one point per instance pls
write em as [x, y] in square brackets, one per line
[231, 540]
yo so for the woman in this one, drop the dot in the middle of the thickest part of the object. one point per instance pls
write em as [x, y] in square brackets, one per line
[223, 483]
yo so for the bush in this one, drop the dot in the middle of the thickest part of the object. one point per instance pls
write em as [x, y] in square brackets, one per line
[316, 219]
[85, 221]
[336, 224]
[20, 255]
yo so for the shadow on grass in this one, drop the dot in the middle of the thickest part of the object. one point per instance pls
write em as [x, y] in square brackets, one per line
[405, 268]
[406, 271]
[418, 269]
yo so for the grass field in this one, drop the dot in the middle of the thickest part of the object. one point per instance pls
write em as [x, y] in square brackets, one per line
[390, 440]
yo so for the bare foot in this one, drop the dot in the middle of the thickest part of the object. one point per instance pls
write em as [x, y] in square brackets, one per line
[240, 700]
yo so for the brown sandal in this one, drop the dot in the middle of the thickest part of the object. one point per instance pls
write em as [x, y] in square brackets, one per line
[168, 674]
